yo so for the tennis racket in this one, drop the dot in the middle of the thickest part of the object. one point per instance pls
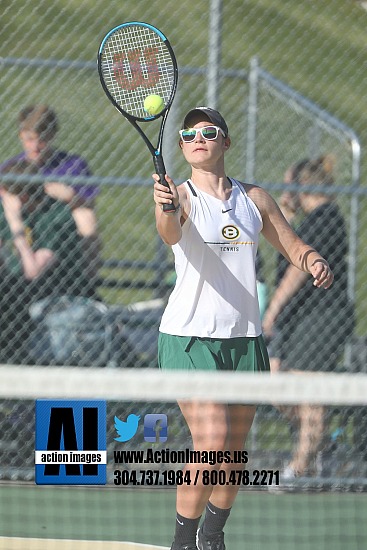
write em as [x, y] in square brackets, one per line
[135, 60]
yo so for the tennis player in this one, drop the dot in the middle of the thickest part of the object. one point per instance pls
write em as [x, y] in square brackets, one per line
[212, 320]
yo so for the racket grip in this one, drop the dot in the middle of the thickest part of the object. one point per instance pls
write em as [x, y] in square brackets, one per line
[161, 171]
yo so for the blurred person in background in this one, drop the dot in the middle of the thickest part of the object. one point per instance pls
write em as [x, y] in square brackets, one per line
[310, 329]
[290, 208]
[262, 287]
[40, 256]
[37, 129]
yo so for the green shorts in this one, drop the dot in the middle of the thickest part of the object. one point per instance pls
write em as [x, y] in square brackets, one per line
[193, 353]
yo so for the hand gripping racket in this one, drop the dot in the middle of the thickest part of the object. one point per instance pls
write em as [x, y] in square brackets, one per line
[135, 60]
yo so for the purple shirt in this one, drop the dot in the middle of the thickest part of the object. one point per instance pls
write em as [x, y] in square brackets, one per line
[63, 164]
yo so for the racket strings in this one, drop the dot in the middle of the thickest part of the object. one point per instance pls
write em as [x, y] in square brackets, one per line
[136, 62]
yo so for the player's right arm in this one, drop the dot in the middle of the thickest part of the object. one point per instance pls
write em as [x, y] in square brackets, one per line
[169, 224]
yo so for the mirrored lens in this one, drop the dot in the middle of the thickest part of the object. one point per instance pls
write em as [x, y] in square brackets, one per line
[188, 135]
[209, 132]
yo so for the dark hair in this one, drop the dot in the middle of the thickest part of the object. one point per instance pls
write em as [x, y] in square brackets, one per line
[319, 171]
[19, 185]
[297, 168]
[40, 119]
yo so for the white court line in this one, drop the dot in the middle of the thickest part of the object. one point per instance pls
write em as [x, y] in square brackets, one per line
[23, 543]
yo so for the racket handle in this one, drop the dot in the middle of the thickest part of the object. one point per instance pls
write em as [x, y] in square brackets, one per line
[161, 171]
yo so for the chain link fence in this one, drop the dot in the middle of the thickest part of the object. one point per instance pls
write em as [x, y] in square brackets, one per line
[287, 76]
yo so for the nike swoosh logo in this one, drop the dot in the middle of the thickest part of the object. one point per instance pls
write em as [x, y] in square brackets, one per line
[180, 522]
[224, 211]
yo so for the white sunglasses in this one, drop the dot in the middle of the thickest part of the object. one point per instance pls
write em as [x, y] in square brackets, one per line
[209, 133]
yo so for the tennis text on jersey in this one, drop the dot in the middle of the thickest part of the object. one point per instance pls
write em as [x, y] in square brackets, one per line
[229, 248]
[169, 456]
[231, 233]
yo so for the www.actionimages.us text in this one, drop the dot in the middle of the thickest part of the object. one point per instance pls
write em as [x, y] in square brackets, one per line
[170, 456]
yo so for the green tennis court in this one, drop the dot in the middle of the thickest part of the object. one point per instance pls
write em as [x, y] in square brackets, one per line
[139, 519]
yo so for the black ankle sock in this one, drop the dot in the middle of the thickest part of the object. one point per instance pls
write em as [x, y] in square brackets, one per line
[186, 530]
[215, 519]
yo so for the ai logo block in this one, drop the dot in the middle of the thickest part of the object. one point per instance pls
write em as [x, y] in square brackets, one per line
[71, 442]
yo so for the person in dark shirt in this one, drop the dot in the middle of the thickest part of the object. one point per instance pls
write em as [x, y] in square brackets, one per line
[40, 256]
[290, 207]
[312, 329]
[38, 126]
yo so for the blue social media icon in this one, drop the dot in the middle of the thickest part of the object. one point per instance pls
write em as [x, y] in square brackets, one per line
[155, 428]
[126, 430]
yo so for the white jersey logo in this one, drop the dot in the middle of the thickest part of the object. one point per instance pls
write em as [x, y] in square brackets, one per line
[230, 232]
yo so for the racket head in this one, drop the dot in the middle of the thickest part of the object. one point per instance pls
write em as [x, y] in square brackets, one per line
[136, 60]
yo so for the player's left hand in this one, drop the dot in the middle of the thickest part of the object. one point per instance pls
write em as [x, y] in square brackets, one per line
[322, 274]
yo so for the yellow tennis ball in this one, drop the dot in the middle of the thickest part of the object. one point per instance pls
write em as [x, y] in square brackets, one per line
[153, 104]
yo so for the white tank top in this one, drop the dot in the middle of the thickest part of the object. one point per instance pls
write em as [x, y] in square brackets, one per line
[215, 293]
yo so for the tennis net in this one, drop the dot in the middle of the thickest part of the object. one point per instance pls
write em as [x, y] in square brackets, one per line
[324, 508]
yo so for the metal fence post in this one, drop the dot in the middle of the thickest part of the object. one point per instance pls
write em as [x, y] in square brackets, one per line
[251, 121]
[214, 53]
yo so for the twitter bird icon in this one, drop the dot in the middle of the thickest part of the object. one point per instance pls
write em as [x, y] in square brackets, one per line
[126, 430]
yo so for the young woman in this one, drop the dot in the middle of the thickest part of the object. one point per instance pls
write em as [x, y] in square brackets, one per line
[308, 333]
[212, 318]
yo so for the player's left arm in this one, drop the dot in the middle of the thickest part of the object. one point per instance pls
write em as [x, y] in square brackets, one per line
[282, 237]
[303, 258]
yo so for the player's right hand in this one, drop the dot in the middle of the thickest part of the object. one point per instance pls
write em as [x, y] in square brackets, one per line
[163, 194]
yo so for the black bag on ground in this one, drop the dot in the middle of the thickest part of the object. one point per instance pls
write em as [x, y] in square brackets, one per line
[78, 331]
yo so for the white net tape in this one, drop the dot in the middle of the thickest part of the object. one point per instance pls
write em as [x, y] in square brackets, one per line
[155, 385]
